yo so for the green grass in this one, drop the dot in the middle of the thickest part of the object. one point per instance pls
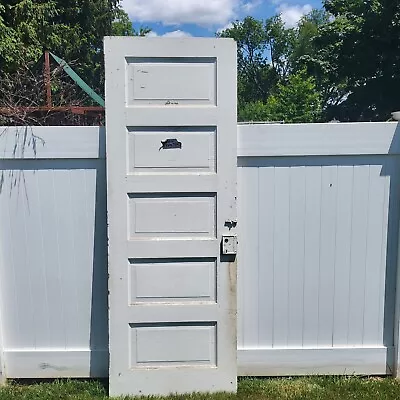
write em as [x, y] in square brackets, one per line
[310, 388]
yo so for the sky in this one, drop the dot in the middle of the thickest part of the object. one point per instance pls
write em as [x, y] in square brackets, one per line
[178, 18]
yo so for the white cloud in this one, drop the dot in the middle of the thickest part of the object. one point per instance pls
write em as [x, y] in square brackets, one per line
[291, 15]
[177, 34]
[175, 12]
[227, 26]
[174, 34]
[249, 6]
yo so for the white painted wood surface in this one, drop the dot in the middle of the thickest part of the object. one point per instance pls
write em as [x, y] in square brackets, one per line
[53, 250]
[167, 211]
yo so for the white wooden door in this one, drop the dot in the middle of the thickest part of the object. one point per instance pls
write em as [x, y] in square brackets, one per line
[171, 162]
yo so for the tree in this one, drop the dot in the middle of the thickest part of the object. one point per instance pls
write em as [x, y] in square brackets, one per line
[72, 29]
[122, 25]
[358, 52]
[255, 75]
[308, 29]
[296, 101]
[281, 43]
[254, 111]
[268, 55]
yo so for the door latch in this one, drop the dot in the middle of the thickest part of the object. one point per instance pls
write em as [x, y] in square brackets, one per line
[170, 144]
[229, 244]
[231, 223]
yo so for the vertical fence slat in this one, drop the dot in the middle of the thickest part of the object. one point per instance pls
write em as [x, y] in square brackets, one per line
[35, 249]
[266, 243]
[374, 267]
[312, 255]
[296, 256]
[358, 254]
[342, 256]
[249, 256]
[327, 256]
[281, 256]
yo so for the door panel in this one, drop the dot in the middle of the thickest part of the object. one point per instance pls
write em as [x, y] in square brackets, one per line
[146, 153]
[171, 163]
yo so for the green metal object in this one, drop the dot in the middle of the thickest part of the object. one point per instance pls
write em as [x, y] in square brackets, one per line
[78, 80]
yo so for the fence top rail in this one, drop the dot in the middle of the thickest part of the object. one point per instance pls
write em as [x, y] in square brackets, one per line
[254, 140]
[52, 142]
[371, 138]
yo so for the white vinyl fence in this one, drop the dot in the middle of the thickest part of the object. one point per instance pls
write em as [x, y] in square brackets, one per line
[318, 219]
[53, 249]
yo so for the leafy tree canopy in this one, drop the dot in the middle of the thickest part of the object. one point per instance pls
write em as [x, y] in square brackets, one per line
[359, 53]
[350, 49]
[72, 29]
[270, 61]
[340, 62]
[122, 25]
[295, 101]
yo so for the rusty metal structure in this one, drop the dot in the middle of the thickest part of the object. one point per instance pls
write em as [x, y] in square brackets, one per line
[96, 113]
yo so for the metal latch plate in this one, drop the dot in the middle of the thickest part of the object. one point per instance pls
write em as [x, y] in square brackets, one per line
[229, 244]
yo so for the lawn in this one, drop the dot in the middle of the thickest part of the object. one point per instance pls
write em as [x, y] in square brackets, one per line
[313, 388]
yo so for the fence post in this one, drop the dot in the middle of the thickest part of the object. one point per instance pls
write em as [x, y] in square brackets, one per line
[396, 339]
[3, 376]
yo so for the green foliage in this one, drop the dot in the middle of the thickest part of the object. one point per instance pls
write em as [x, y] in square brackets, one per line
[307, 30]
[8, 40]
[340, 62]
[255, 76]
[350, 49]
[281, 43]
[270, 61]
[254, 111]
[358, 54]
[72, 29]
[122, 25]
[297, 101]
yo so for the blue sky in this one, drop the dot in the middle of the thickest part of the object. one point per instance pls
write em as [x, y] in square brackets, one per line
[179, 18]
